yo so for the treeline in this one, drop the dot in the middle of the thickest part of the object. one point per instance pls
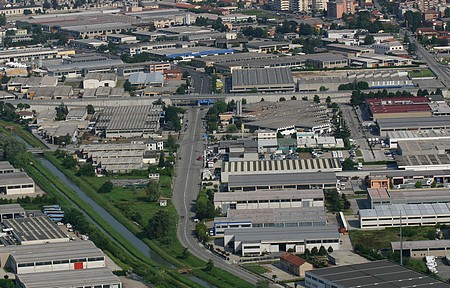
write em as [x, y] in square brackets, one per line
[358, 97]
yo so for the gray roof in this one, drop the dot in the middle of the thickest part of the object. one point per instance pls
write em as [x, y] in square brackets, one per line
[16, 178]
[101, 76]
[34, 228]
[414, 195]
[409, 173]
[286, 165]
[422, 160]
[407, 210]
[300, 178]
[70, 278]
[146, 78]
[5, 165]
[268, 76]
[382, 273]
[52, 251]
[283, 233]
[118, 118]
[11, 208]
[414, 122]
[423, 244]
[76, 113]
[268, 194]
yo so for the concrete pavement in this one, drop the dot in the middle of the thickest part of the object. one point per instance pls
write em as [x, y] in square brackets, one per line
[186, 187]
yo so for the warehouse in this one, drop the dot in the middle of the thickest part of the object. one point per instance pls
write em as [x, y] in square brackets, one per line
[289, 198]
[423, 162]
[327, 61]
[256, 241]
[277, 181]
[262, 80]
[17, 183]
[383, 196]
[383, 179]
[28, 55]
[428, 147]
[242, 168]
[412, 215]
[270, 217]
[6, 167]
[349, 49]
[294, 115]
[34, 230]
[423, 248]
[375, 274]
[413, 124]
[11, 211]
[51, 257]
[399, 107]
[230, 58]
[131, 121]
[291, 62]
[86, 278]
[187, 53]
[394, 137]
[95, 80]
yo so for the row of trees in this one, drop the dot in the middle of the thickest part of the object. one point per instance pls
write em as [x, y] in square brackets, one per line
[356, 85]
[336, 202]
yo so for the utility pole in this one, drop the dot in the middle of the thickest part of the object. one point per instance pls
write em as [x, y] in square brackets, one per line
[401, 240]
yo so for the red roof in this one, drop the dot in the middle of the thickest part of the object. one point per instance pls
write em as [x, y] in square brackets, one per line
[402, 108]
[397, 100]
[293, 259]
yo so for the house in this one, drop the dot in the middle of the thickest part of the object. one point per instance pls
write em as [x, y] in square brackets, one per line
[150, 157]
[294, 264]
[154, 145]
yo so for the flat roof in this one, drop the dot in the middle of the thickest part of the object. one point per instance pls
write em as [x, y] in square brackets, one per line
[52, 251]
[410, 194]
[16, 178]
[258, 234]
[423, 244]
[70, 278]
[267, 194]
[300, 178]
[422, 160]
[393, 210]
[414, 122]
[418, 135]
[409, 173]
[5, 165]
[34, 228]
[401, 108]
[11, 208]
[276, 215]
[268, 76]
[129, 118]
[382, 273]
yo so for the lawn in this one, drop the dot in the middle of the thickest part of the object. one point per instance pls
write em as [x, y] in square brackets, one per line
[256, 269]
[381, 239]
[359, 153]
[421, 73]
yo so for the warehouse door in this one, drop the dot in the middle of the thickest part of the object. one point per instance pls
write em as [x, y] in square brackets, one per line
[78, 265]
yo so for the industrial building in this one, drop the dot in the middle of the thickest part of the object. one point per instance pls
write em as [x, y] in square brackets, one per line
[423, 162]
[291, 62]
[231, 58]
[52, 257]
[383, 196]
[374, 274]
[188, 53]
[412, 215]
[426, 147]
[11, 211]
[98, 277]
[270, 217]
[402, 107]
[350, 49]
[17, 183]
[277, 181]
[292, 115]
[256, 241]
[327, 61]
[28, 55]
[262, 80]
[413, 124]
[288, 166]
[116, 121]
[32, 230]
[394, 137]
[423, 248]
[95, 80]
[385, 179]
[261, 199]
[6, 167]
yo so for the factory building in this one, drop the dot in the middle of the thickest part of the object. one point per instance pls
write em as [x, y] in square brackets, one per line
[256, 241]
[11, 211]
[384, 179]
[262, 80]
[17, 183]
[263, 199]
[423, 248]
[383, 196]
[52, 257]
[412, 124]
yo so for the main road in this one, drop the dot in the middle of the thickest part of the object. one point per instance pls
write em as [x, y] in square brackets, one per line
[186, 187]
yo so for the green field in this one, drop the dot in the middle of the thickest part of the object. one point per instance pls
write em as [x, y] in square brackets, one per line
[421, 73]
[256, 268]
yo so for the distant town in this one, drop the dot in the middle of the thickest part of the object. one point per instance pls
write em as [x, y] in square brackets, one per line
[264, 143]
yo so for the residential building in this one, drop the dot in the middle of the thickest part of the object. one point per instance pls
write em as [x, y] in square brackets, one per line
[154, 145]
[387, 47]
[295, 265]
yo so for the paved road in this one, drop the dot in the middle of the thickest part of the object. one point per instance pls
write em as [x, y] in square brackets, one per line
[186, 187]
[199, 81]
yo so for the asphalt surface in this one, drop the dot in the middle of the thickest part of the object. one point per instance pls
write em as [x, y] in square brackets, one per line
[186, 187]
[200, 82]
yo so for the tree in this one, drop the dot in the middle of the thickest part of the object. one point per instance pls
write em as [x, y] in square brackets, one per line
[86, 170]
[209, 265]
[314, 251]
[14, 151]
[231, 128]
[323, 88]
[171, 143]
[316, 99]
[293, 98]
[274, 277]
[90, 109]
[322, 251]
[418, 184]
[330, 249]
[106, 187]
[171, 115]
[282, 99]
[328, 100]
[159, 225]
[162, 161]
[307, 252]
[369, 40]
[69, 162]
[153, 191]
[262, 284]
[348, 165]
[61, 112]
[244, 101]
[127, 86]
